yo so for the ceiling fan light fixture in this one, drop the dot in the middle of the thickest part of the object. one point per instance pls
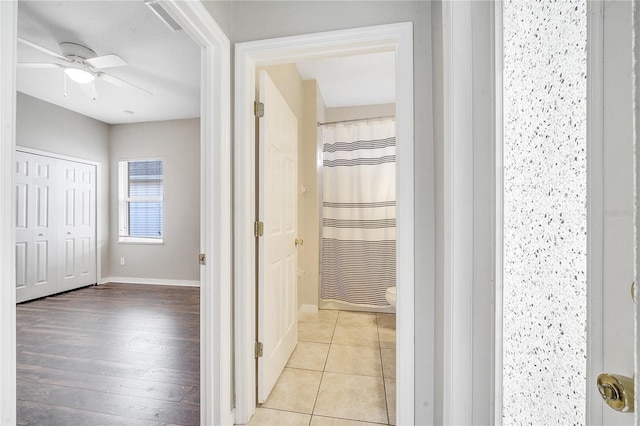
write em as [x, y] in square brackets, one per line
[79, 75]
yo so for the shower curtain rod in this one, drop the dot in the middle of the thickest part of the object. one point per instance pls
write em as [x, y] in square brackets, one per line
[356, 119]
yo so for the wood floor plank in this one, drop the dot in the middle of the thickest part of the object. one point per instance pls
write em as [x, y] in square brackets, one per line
[102, 383]
[51, 415]
[112, 336]
[193, 396]
[106, 403]
[112, 354]
[88, 339]
[109, 368]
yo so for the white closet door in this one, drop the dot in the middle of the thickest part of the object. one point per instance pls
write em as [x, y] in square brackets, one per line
[77, 231]
[36, 255]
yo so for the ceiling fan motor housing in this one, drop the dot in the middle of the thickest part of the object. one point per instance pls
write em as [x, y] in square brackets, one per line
[76, 52]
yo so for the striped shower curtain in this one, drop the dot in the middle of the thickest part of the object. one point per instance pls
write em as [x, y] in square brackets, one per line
[358, 259]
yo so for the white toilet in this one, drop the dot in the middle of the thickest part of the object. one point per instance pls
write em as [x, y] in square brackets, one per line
[390, 295]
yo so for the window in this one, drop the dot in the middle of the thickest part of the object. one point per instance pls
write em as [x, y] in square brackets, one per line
[140, 201]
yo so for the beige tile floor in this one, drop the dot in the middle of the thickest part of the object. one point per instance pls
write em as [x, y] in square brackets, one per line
[342, 372]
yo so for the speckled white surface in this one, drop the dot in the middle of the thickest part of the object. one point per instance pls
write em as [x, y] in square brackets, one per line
[544, 212]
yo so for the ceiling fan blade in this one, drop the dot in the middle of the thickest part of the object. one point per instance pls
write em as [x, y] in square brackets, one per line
[121, 83]
[38, 65]
[106, 61]
[42, 49]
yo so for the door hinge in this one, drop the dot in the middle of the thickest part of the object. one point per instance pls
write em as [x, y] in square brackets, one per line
[258, 229]
[258, 350]
[258, 109]
[202, 259]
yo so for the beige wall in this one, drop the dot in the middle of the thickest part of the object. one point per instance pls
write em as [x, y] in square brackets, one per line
[48, 127]
[177, 142]
[314, 111]
[360, 111]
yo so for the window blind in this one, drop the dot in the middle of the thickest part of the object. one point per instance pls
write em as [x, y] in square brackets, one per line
[140, 190]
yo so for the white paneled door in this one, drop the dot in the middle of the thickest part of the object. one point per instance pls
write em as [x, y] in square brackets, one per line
[36, 255]
[76, 240]
[277, 282]
[55, 225]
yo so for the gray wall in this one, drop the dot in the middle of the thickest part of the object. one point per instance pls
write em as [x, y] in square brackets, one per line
[255, 20]
[177, 142]
[47, 127]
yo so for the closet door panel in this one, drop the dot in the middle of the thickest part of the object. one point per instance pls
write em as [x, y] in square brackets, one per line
[35, 226]
[21, 270]
[78, 229]
[22, 228]
[86, 224]
[42, 263]
[67, 276]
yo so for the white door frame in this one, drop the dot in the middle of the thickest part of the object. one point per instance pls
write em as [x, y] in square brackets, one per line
[595, 207]
[8, 35]
[249, 55]
[470, 213]
[636, 136]
[215, 286]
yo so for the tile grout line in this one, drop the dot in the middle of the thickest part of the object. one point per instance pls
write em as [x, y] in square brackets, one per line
[384, 382]
[324, 367]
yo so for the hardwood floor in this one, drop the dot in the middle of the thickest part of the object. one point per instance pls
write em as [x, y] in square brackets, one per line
[111, 354]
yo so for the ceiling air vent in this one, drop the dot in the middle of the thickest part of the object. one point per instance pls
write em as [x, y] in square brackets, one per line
[163, 15]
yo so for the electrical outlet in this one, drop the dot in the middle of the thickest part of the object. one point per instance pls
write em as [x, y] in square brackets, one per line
[122, 261]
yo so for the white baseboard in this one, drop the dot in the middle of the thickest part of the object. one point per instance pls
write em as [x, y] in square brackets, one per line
[150, 281]
[312, 309]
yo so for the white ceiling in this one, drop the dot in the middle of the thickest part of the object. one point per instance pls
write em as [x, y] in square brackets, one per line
[161, 61]
[353, 80]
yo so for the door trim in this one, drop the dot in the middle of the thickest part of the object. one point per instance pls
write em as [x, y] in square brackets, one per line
[636, 128]
[470, 213]
[249, 55]
[216, 406]
[215, 289]
[8, 50]
[595, 208]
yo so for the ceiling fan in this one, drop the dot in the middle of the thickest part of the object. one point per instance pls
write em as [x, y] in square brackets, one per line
[82, 65]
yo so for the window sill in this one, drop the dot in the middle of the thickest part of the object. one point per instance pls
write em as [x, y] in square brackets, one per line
[133, 240]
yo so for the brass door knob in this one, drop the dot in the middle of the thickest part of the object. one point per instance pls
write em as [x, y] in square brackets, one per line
[616, 391]
[299, 242]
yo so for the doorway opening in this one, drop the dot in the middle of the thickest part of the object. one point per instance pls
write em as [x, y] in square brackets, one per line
[107, 123]
[253, 55]
[345, 191]
[215, 197]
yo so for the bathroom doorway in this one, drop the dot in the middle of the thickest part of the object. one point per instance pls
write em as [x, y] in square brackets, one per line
[275, 53]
